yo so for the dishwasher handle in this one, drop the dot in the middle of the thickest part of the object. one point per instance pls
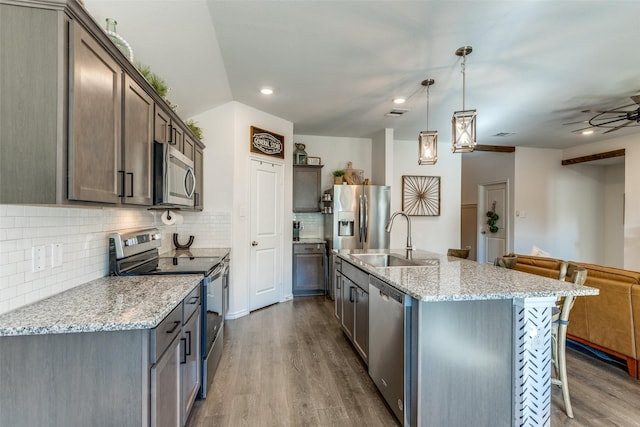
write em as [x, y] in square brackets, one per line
[388, 290]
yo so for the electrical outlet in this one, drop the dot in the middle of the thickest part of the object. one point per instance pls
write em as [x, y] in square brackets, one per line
[56, 254]
[37, 258]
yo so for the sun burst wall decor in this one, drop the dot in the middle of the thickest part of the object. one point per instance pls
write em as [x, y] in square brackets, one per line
[421, 195]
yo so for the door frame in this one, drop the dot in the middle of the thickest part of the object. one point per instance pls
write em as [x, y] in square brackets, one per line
[482, 210]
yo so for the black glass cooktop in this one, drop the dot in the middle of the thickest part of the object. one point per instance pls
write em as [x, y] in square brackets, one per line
[186, 265]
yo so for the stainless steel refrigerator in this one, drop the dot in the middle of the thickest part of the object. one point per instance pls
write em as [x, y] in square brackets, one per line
[360, 213]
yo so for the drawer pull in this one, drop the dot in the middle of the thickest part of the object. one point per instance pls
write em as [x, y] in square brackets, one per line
[193, 300]
[175, 326]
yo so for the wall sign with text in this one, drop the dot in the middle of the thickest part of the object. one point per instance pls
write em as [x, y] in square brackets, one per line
[267, 143]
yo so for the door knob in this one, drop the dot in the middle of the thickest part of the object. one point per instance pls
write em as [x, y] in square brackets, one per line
[254, 243]
[483, 232]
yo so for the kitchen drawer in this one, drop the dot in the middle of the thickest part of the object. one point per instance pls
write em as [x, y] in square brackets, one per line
[163, 335]
[308, 248]
[356, 275]
[191, 304]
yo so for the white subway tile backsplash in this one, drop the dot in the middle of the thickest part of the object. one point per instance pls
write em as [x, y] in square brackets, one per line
[83, 233]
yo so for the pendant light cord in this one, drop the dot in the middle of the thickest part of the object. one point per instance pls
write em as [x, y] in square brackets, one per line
[464, 63]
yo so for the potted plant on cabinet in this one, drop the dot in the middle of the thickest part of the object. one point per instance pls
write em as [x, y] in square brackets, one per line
[337, 176]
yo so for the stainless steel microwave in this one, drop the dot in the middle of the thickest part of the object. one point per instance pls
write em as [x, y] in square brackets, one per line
[174, 178]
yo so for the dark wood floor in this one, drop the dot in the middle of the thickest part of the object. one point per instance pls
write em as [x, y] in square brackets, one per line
[290, 365]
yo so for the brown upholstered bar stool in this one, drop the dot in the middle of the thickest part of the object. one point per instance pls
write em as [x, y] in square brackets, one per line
[560, 320]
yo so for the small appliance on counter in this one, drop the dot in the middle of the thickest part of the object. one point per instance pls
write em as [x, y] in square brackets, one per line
[297, 226]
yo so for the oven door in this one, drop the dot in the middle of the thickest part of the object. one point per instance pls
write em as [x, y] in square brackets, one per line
[175, 180]
[212, 326]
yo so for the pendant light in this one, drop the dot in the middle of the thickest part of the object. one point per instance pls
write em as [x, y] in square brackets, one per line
[428, 139]
[464, 121]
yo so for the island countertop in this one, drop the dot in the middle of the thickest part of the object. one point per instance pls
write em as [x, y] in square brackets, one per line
[105, 304]
[444, 278]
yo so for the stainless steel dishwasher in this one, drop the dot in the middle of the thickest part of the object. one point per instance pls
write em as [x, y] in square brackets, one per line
[389, 330]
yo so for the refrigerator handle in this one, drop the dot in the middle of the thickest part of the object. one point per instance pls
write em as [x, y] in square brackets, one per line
[360, 219]
[366, 219]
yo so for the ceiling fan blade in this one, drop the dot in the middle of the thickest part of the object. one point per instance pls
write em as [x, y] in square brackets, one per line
[575, 123]
[581, 129]
[636, 99]
[624, 117]
[618, 127]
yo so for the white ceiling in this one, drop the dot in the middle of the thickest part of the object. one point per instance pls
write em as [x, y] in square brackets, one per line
[336, 65]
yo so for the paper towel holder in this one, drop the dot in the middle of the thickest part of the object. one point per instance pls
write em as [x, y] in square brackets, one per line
[178, 245]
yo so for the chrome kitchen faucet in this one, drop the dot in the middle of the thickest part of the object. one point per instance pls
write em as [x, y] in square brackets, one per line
[409, 247]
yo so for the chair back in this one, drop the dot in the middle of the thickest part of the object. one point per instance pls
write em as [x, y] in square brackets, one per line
[576, 275]
[459, 253]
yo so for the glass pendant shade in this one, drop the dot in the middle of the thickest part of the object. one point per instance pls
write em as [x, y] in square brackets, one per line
[464, 131]
[428, 147]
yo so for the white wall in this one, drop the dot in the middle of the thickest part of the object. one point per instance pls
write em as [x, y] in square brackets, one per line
[335, 152]
[613, 246]
[564, 209]
[382, 157]
[244, 118]
[631, 190]
[432, 233]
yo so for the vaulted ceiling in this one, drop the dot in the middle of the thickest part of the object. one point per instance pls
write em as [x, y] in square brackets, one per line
[335, 66]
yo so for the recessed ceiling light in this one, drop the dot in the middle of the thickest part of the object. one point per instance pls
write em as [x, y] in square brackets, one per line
[399, 100]
[587, 132]
[266, 91]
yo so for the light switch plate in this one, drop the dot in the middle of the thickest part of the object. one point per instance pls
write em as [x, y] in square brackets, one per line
[56, 254]
[37, 258]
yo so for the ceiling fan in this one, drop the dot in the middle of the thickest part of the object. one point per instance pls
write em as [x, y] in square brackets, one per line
[614, 119]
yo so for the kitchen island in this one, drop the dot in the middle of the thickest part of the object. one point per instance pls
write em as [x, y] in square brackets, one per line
[477, 339]
[104, 353]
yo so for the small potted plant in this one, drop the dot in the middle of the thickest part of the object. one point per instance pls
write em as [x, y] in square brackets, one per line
[337, 176]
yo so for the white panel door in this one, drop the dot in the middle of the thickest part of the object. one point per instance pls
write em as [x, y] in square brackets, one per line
[494, 242]
[267, 188]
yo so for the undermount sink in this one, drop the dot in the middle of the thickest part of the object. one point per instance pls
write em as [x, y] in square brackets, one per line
[385, 260]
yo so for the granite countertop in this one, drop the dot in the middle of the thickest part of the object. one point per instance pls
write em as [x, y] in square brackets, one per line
[310, 240]
[106, 304]
[444, 278]
[198, 253]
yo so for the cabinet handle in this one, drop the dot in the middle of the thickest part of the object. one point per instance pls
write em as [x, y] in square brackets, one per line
[188, 352]
[171, 140]
[351, 294]
[121, 184]
[183, 359]
[131, 183]
[196, 202]
[175, 326]
[338, 281]
[193, 300]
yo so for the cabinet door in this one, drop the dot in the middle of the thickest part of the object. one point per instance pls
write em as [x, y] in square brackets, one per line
[191, 376]
[165, 388]
[361, 332]
[94, 121]
[198, 166]
[138, 144]
[161, 129]
[188, 147]
[306, 188]
[177, 137]
[348, 306]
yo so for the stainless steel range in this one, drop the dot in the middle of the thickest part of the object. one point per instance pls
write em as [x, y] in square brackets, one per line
[137, 253]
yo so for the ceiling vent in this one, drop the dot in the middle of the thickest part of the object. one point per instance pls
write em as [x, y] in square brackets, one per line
[396, 112]
[503, 134]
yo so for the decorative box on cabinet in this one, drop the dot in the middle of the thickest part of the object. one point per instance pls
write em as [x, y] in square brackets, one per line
[306, 188]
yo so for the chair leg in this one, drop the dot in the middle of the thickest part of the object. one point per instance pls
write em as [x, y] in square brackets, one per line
[562, 372]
